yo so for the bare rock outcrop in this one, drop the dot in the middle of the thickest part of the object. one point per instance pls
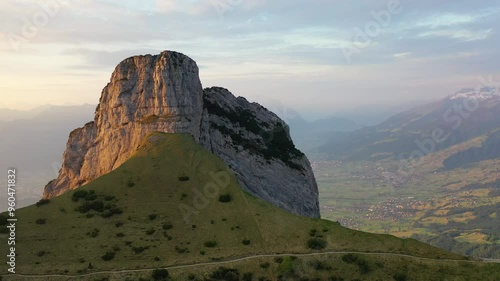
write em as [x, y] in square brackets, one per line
[255, 143]
[163, 93]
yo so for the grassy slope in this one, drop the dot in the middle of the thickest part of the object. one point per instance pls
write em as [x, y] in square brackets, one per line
[149, 184]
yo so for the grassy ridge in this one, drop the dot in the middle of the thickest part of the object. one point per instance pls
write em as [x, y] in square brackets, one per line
[176, 203]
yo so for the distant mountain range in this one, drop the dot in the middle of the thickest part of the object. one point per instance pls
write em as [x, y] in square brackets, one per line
[33, 142]
[424, 129]
[39, 139]
[308, 135]
[7, 114]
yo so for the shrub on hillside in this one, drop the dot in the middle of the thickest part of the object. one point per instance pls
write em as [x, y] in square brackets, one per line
[94, 233]
[40, 221]
[265, 265]
[210, 244]
[167, 226]
[108, 256]
[91, 196]
[42, 202]
[364, 266]
[111, 212]
[41, 253]
[160, 274]
[225, 274]
[183, 178]
[400, 276]
[130, 183]
[139, 250]
[248, 276]
[181, 250]
[319, 265]
[79, 194]
[224, 198]
[97, 206]
[316, 243]
[349, 258]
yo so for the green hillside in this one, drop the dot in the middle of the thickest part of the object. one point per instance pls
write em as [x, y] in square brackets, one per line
[175, 203]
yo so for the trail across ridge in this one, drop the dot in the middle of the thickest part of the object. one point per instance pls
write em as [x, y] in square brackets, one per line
[243, 259]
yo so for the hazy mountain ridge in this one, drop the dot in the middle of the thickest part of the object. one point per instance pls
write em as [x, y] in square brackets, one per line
[34, 142]
[308, 135]
[489, 149]
[454, 120]
[8, 114]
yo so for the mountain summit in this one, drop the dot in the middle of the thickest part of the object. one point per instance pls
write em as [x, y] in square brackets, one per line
[484, 93]
[163, 93]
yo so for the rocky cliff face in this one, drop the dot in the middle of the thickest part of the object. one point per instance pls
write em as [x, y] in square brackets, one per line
[163, 93]
[146, 94]
[256, 144]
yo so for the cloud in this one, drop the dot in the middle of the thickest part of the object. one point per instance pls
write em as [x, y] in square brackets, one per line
[447, 19]
[462, 34]
[190, 7]
[244, 41]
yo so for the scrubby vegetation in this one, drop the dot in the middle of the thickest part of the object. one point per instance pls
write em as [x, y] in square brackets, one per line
[316, 243]
[225, 198]
[210, 244]
[42, 202]
[225, 274]
[183, 178]
[41, 221]
[108, 256]
[274, 141]
[160, 274]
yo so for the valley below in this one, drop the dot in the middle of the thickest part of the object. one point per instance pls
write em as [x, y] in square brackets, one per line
[456, 210]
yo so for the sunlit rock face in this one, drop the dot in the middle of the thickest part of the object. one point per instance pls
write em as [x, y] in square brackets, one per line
[164, 93]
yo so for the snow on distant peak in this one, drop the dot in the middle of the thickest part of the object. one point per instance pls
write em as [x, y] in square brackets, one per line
[481, 94]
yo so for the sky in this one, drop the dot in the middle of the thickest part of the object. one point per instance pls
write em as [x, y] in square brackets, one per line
[318, 57]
